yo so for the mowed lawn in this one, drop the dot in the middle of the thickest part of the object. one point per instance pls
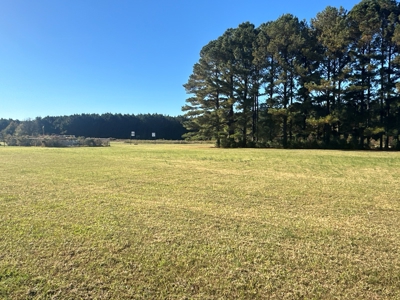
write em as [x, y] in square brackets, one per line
[154, 221]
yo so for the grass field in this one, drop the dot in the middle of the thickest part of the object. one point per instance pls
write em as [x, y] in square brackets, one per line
[194, 222]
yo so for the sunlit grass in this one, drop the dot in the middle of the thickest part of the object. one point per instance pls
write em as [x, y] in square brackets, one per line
[153, 221]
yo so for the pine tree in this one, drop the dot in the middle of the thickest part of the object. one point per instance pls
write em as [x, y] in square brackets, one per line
[204, 111]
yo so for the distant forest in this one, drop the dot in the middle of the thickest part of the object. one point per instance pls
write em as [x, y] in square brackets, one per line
[100, 126]
[330, 83]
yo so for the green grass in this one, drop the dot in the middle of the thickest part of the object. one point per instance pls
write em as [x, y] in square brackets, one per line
[154, 221]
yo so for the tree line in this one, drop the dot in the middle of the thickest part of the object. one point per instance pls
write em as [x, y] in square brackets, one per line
[108, 125]
[332, 82]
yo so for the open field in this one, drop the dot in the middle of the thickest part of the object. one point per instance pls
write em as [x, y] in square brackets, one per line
[155, 221]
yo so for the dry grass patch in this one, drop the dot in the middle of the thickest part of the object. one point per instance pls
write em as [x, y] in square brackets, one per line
[176, 221]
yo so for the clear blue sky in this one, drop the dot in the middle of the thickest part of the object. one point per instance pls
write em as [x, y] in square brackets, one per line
[63, 57]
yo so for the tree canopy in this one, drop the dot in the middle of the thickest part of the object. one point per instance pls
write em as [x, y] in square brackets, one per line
[330, 83]
[108, 125]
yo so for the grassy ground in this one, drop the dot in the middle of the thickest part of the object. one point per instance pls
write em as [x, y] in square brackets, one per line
[194, 222]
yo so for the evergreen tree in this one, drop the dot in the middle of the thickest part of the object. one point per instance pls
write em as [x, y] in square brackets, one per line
[204, 110]
[331, 84]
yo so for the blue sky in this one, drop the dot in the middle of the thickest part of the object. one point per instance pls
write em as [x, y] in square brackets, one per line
[63, 57]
